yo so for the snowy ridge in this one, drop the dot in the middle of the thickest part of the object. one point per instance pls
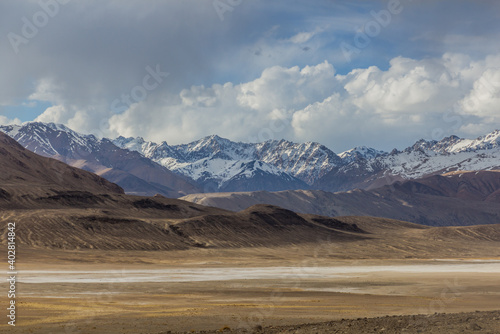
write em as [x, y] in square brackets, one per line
[218, 159]
[417, 164]
[308, 161]
[129, 169]
[37, 137]
[360, 152]
[454, 144]
[435, 157]
[219, 164]
[214, 157]
[487, 142]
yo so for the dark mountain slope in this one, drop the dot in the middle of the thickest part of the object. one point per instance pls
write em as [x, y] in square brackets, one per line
[102, 157]
[22, 169]
[452, 199]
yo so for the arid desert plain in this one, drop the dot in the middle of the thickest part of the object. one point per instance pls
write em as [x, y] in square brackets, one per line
[249, 289]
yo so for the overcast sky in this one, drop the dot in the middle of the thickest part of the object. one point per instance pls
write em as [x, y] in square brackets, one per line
[343, 73]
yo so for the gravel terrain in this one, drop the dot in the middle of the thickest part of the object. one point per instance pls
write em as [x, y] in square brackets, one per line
[476, 322]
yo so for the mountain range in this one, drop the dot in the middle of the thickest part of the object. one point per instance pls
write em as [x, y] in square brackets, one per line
[59, 207]
[215, 164]
[220, 162]
[452, 199]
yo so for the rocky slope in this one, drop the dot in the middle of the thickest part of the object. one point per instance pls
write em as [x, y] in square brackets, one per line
[424, 158]
[473, 322]
[24, 171]
[129, 169]
[458, 198]
[220, 164]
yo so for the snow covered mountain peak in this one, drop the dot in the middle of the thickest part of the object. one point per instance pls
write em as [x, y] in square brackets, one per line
[454, 144]
[39, 137]
[125, 141]
[432, 157]
[203, 159]
[360, 152]
[213, 147]
[132, 144]
[486, 142]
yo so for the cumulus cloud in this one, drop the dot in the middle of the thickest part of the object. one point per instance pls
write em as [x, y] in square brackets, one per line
[410, 100]
[273, 88]
[269, 70]
[237, 111]
[484, 98]
[408, 86]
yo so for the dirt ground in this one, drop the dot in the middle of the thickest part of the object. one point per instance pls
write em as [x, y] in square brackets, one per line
[476, 322]
[246, 289]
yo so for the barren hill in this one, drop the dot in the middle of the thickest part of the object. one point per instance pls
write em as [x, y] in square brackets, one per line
[23, 171]
[460, 198]
[136, 174]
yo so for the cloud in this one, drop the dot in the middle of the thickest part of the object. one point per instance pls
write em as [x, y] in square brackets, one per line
[274, 87]
[484, 98]
[412, 99]
[303, 37]
[57, 114]
[6, 121]
[240, 112]
[408, 101]
[270, 69]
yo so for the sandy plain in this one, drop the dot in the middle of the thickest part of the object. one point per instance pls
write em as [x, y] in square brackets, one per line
[241, 289]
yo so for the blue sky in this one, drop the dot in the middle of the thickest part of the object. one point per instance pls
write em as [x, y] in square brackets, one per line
[254, 70]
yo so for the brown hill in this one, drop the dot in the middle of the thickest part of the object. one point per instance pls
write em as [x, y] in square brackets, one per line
[26, 172]
[441, 200]
[258, 227]
[164, 228]
[136, 174]
[265, 225]
[133, 172]
[469, 185]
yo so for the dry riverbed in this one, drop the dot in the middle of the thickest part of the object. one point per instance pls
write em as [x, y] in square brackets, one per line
[245, 290]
